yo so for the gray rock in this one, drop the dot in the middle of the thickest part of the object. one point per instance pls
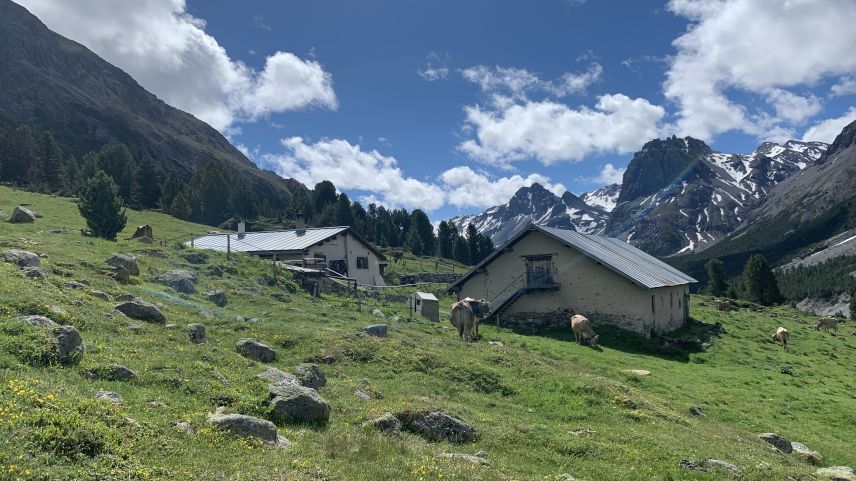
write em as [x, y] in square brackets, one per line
[126, 297]
[129, 263]
[135, 328]
[310, 375]
[255, 350]
[21, 258]
[23, 215]
[297, 404]
[120, 274]
[249, 426]
[467, 458]
[74, 285]
[810, 455]
[110, 396]
[376, 330]
[4, 215]
[34, 273]
[778, 442]
[99, 295]
[58, 231]
[711, 463]
[194, 258]
[179, 279]
[274, 376]
[361, 394]
[439, 426]
[197, 333]
[837, 473]
[184, 427]
[386, 423]
[377, 313]
[142, 311]
[38, 321]
[218, 297]
[145, 240]
[696, 411]
[120, 373]
[68, 342]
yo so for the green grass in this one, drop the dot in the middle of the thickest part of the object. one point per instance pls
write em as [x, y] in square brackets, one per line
[523, 398]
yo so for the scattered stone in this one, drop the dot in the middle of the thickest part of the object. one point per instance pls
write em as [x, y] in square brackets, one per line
[361, 394]
[22, 258]
[376, 330]
[4, 215]
[467, 458]
[438, 426]
[220, 377]
[778, 442]
[298, 404]
[377, 313]
[810, 455]
[23, 215]
[310, 375]
[496, 343]
[249, 426]
[216, 271]
[145, 240]
[110, 396]
[194, 258]
[126, 297]
[34, 273]
[218, 297]
[179, 279]
[58, 231]
[38, 321]
[274, 376]
[74, 285]
[386, 423]
[205, 314]
[142, 311]
[135, 328]
[120, 373]
[68, 342]
[639, 372]
[711, 463]
[837, 473]
[197, 333]
[567, 477]
[170, 326]
[581, 432]
[696, 411]
[99, 295]
[129, 263]
[183, 426]
[255, 350]
[120, 274]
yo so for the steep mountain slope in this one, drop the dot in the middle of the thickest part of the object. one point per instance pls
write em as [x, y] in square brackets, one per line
[800, 215]
[680, 196]
[539, 205]
[606, 197]
[54, 84]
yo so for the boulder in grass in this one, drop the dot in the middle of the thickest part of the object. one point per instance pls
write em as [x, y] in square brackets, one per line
[218, 297]
[181, 280]
[69, 344]
[99, 295]
[196, 332]
[310, 375]
[837, 473]
[23, 215]
[110, 397]
[438, 426]
[34, 273]
[376, 330]
[38, 321]
[809, 454]
[386, 423]
[255, 350]
[298, 404]
[249, 426]
[778, 442]
[274, 376]
[195, 258]
[21, 258]
[141, 311]
[129, 263]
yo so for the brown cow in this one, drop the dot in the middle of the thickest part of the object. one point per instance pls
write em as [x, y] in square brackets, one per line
[825, 323]
[583, 330]
[724, 305]
[465, 316]
[782, 335]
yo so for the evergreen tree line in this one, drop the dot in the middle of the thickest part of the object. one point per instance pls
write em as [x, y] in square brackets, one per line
[757, 283]
[820, 281]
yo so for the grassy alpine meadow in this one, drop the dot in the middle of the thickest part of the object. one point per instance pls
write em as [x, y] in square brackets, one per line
[543, 407]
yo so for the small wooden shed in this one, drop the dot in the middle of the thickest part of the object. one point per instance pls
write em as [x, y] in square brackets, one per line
[426, 305]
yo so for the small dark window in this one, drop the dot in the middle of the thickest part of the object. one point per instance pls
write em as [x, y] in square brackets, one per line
[418, 302]
[362, 262]
[320, 255]
[652, 304]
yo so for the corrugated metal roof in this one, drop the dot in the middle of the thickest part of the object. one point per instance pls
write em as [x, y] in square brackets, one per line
[275, 241]
[425, 296]
[633, 263]
[628, 261]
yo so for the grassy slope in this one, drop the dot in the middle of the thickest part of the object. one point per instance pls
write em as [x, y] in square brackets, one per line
[523, 398]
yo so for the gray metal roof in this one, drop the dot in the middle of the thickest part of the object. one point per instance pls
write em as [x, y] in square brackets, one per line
[626, 260]
[274, 241]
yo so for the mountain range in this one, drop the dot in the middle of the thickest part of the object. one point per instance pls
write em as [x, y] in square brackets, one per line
[53, 84]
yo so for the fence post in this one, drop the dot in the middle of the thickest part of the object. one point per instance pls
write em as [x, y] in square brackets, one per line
[228, 246]
[191, 241]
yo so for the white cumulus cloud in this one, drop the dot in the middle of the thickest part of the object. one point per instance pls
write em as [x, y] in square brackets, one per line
[519, 82]
[435, 68]
[827, 130]
[553, 132]
[610, 175]
[758, 47]
[467, 188]
[168, 52]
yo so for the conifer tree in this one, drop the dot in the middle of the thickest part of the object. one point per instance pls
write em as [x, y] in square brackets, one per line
[51, 164]
[715, 277]
[759, 282]
[71, 175]
[101, 206]
[344, 214]
[413, 241]
[180, 206]
[19, 156]
[149, 182]
[171, 187]
[462, 250]
[422, 225]
[117, 162]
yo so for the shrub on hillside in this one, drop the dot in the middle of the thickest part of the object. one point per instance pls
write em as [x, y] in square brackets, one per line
[759, 282]
[101, 206]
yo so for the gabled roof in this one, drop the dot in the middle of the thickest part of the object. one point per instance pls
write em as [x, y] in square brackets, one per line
[617, 255]
[278, 241]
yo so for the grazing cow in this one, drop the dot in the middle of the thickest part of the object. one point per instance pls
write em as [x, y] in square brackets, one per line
[583, 330]
[724, 305]
[481, 309]
[465, 316]
[825, 323]
[782, 335]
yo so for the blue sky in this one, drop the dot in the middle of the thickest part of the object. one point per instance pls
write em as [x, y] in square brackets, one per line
[452, 106]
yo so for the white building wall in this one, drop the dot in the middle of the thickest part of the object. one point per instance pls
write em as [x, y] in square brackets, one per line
[347, 248]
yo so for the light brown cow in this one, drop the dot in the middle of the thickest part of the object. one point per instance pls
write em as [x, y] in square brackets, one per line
[782, 335]
[724, 305]
[825, 323]
[465, 316]
[583, 330]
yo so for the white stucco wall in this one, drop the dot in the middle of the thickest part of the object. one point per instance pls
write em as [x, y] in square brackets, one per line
[347, 247]
[586, 287]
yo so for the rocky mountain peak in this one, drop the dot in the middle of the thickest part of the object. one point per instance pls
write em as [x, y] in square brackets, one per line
[845, 139]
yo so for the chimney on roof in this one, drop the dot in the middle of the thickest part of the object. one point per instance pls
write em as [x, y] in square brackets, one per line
[242, 229]
[300, 223]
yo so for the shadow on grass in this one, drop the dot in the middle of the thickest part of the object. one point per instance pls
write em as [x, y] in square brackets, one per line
[675, 346]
